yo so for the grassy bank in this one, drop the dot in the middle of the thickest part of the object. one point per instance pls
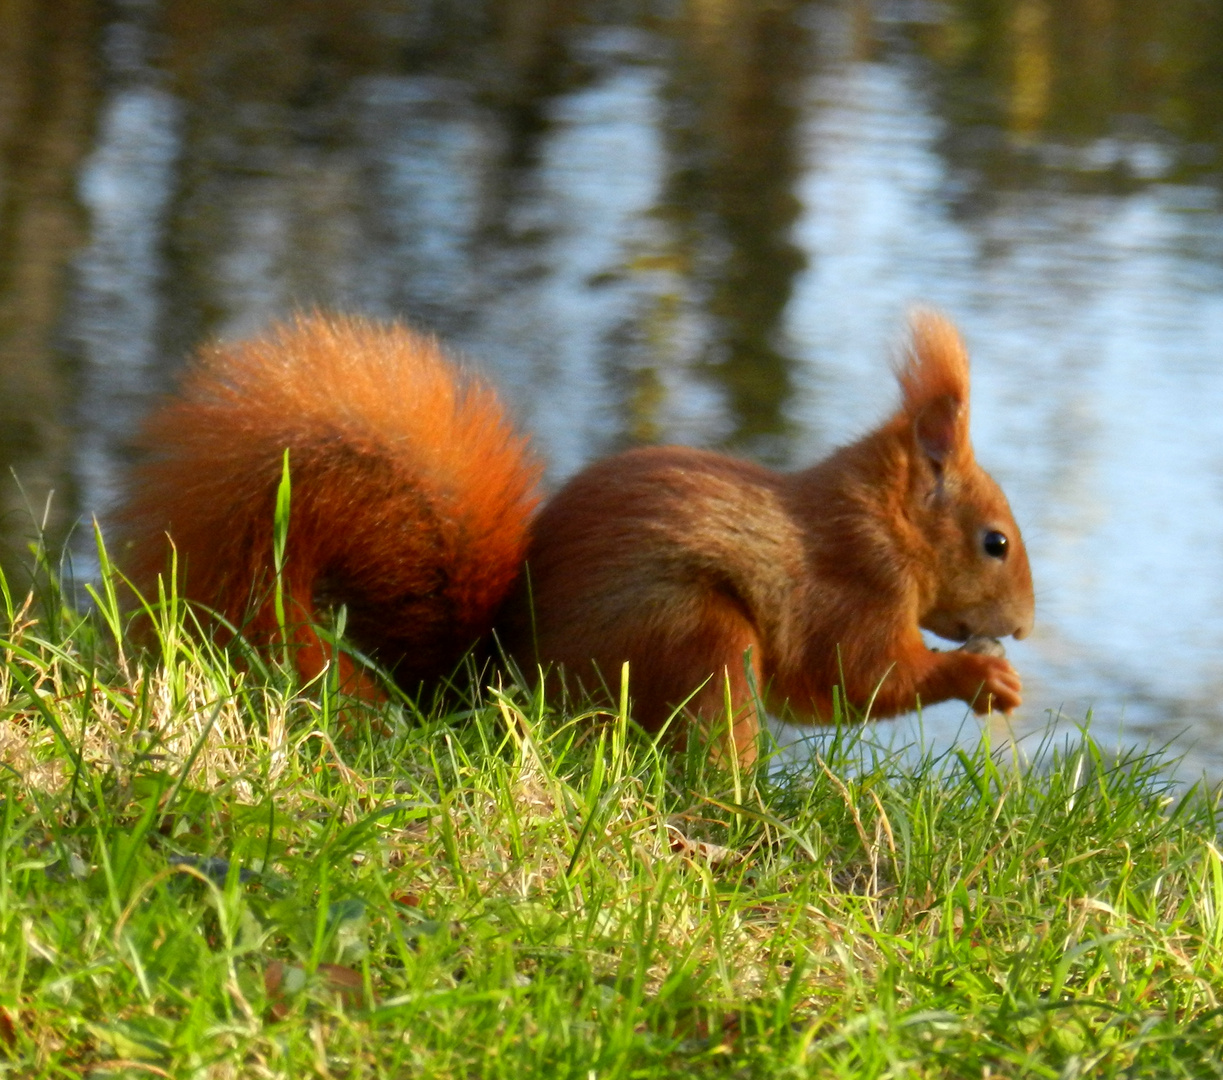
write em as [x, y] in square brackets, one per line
[210, 871]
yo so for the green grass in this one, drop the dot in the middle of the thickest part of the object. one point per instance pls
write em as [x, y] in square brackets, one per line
[208, 870]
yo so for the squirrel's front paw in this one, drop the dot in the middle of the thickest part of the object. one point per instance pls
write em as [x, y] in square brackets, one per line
[990, 684]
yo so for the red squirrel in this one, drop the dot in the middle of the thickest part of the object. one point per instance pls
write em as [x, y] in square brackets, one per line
[414, 505]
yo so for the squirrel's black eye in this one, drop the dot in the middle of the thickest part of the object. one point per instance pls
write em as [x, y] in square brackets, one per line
[995, 544]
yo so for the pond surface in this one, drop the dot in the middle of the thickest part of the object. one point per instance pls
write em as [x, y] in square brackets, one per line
[697, 222]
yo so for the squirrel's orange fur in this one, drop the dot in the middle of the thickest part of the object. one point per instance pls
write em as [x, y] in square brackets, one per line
[411, 491]
[412, 500]
[680, 561]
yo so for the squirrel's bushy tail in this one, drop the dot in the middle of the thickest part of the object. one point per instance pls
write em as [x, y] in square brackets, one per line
[411, 490]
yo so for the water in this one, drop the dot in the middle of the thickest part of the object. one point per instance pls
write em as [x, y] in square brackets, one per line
[697, 223]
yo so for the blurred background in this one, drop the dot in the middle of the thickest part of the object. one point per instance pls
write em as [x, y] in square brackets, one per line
[670, 220]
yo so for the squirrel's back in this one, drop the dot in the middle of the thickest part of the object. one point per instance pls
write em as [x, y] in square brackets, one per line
[411, 490]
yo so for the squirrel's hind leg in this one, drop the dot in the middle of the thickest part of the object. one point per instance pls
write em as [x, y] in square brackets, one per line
[720, 659]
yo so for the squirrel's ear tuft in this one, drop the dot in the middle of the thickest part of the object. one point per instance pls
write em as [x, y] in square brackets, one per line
[934, 380]
[934, 364]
